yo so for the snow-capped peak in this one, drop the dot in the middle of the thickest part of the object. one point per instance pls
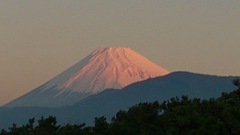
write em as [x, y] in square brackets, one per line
[111, 67]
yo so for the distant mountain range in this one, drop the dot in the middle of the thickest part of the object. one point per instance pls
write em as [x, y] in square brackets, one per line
[108, 102]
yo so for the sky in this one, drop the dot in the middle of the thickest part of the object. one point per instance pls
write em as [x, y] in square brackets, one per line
[40, 39]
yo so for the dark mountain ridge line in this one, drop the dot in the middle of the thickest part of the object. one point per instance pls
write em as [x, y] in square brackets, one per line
[130, 86]
[108, 102]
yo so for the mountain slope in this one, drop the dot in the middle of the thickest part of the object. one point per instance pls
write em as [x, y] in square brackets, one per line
[104, 68]
[108, 102]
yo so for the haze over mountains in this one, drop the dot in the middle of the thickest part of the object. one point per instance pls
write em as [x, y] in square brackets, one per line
[107, 80]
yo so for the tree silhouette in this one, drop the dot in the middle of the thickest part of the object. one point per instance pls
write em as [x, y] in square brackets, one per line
[47, 126]
[236, 82]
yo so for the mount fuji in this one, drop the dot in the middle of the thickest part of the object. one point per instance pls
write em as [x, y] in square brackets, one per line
[104, 68]
[106, 81]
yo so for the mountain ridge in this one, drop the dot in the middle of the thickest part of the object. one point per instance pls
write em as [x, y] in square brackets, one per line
[108, 102]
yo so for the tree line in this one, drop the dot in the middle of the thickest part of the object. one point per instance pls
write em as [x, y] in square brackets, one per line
[176, 116]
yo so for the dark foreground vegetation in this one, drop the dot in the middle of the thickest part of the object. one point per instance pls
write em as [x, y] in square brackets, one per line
[177, 116]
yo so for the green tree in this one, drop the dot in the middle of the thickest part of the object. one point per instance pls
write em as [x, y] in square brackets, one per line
[236, 82]
[47, 126]
[101, 125]
[74, 129]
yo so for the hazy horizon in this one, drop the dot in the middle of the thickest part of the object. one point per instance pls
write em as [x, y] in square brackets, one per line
[40, 39]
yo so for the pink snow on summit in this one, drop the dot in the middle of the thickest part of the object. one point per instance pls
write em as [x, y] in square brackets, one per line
[112, 67]
[105, 68]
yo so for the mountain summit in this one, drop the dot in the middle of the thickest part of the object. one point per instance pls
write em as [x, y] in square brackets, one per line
[103, 69]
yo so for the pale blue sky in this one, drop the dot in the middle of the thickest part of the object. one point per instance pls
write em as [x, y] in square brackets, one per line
[41, 38]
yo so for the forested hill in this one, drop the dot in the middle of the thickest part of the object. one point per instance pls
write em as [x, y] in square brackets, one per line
[176, 116]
